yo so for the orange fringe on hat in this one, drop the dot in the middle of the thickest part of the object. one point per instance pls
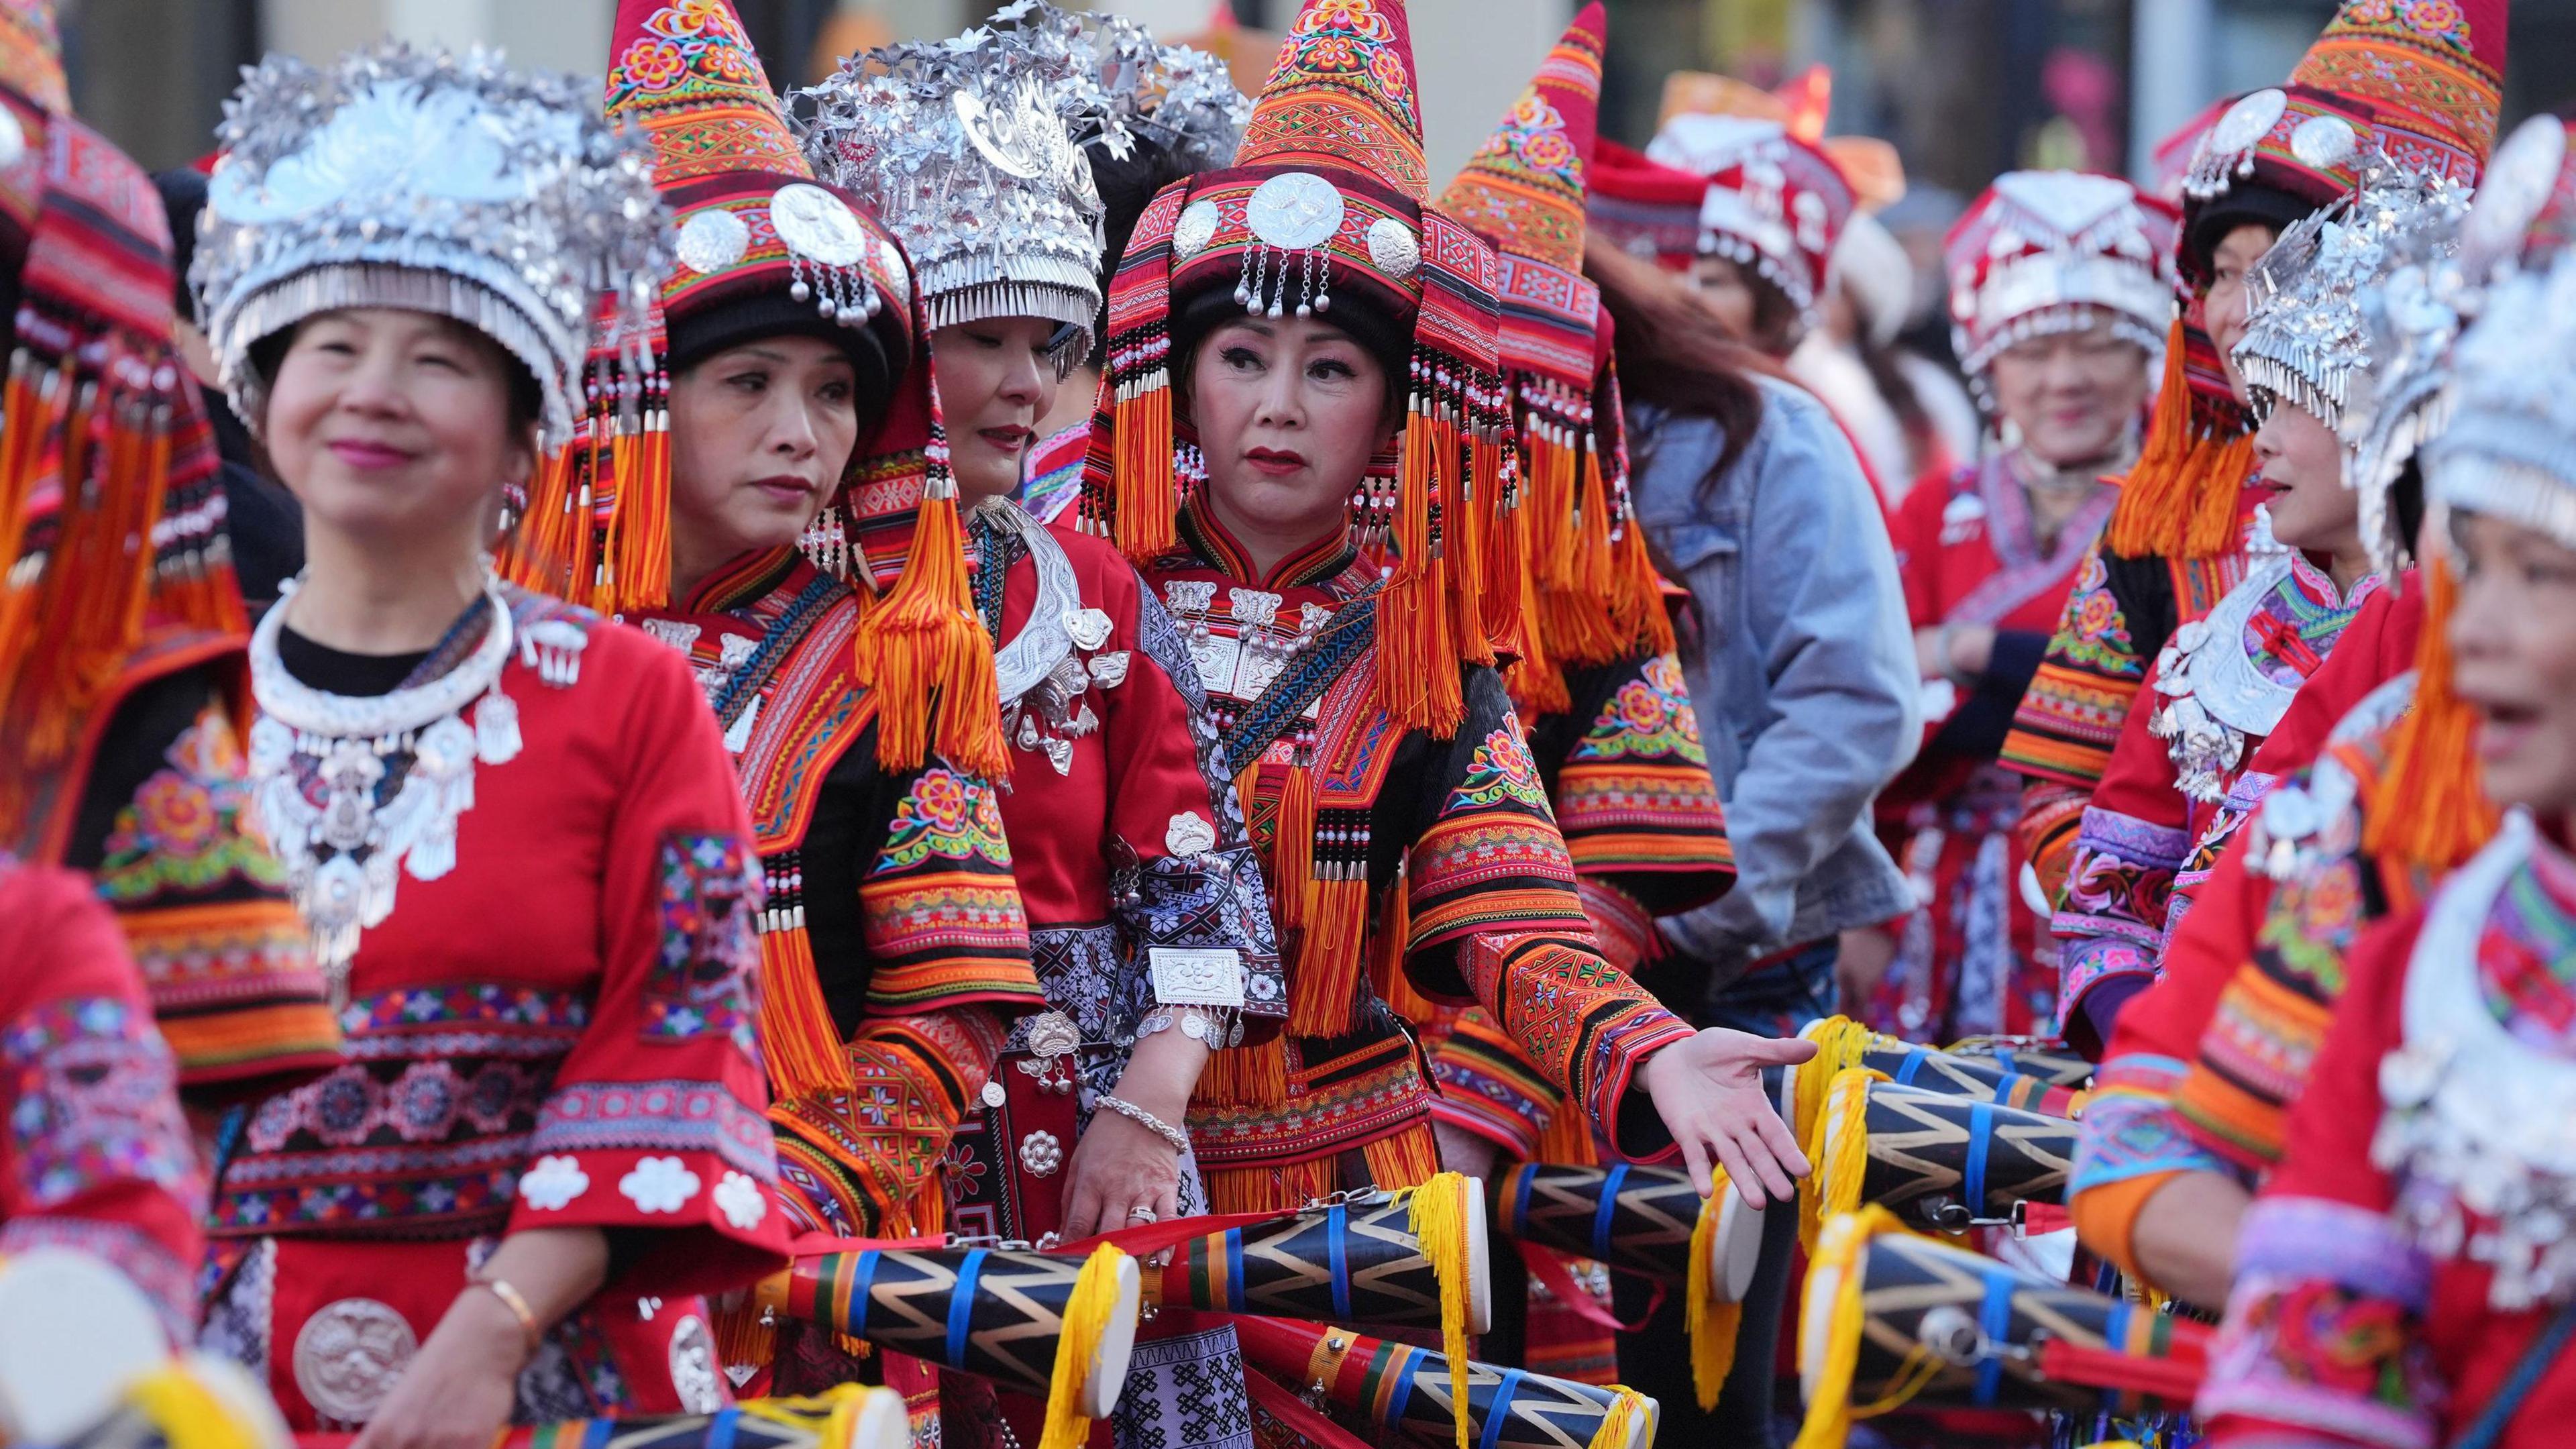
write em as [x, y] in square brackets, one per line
[925, 653]
[2432, 812]
[2180, 498]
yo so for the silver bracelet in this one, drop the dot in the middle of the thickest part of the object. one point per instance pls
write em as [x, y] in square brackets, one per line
[1179, 1139]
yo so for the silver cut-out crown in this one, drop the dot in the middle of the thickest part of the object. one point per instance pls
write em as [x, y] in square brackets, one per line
[969, 149]
[429, 181]
[2510, 446]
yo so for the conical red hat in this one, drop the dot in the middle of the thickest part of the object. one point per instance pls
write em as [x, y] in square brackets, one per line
[1342, 97]
[1524, 190]
[2433, 68]
[686, 73]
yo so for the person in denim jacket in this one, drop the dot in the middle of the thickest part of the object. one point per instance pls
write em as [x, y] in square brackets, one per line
[1801, 666]
[1798, 655]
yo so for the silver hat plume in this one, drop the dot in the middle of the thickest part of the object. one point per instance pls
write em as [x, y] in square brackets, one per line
[2510, 448]
[1182, 99]
[2308, 338]
[432, 182]
[970, 150]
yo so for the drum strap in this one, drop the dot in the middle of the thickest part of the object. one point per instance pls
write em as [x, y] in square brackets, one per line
[2527, 1370]
[961, 1307]
[1981, 1135]
[1502, 1409]
[1994, 1318]
[1602, 1215]
[1336, 1220]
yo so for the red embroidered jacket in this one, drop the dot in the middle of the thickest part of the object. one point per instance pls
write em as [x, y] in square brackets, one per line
[97, 1157]
[558, 1032]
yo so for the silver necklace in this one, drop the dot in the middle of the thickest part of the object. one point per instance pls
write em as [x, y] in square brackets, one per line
[342, 852]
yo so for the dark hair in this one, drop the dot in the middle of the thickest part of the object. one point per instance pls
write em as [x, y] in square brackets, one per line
[527, 399]
[1127, 185]
[1672, 350]
[183, 196]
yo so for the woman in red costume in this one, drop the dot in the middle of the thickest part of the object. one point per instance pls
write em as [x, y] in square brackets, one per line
[1322, 345]
[788, 342]
[2062, 288]
[509, 823]
[2404, 1278]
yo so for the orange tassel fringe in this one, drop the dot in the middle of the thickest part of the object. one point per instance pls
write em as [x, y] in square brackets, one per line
[1144, 496]
[2180, 498]
[925, 652]
[2430, 810]
[799, 1043]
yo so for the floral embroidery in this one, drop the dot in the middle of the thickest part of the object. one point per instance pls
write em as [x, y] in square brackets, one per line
[946, 814]
[668, 1116]
[92, 1092]
[742, 1201]
[659, 1185]
[700, 985]
[2096, 634]
[1502, 770]
[1650, 716]
[183, 830]
[553, 1182]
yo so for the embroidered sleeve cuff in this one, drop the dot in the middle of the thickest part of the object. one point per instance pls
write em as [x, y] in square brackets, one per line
[2320, 1342]
[680, 1155]
[2130, 1127]
[1628, 1118]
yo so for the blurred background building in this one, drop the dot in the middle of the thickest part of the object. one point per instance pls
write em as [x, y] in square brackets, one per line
[1964, 89]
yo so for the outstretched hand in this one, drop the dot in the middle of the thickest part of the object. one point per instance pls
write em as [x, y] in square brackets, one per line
[1709, 1092]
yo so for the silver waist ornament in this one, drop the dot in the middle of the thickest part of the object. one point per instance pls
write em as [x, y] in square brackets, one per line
[2480, 1126]
[350, 791]
[2215, 694]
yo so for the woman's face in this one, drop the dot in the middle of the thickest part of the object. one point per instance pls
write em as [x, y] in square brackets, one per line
[1288, 413]
[996, 379]
[2071, 395]
[2513, 646]
[2301, 463]
[760, 436]
[1728, 290]
[2223, 310]
[395, 425]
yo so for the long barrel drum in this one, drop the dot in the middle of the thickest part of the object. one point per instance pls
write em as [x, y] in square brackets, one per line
[1989, 1334]
[2052, 1062]
[986, 1311]
[1636, 1218]
[1950, 1161]
[1396, 1387]
[1844, 1044]
[1355, 1263]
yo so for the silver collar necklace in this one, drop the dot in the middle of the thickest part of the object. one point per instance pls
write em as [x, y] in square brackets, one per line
[321, 766]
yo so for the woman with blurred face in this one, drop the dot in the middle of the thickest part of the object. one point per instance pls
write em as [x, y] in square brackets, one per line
[1127, 843]
[1988, 559]
[799, 408]
[2382, 1203]
[480, 795]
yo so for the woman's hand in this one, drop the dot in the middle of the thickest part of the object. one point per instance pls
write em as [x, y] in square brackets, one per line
[1709, 1092]
[457, 1392]
[1118, 1167]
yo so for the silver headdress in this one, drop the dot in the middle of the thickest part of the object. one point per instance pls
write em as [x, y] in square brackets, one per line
[430, 182]
[2510, 449]
[1182, 99]
[2307, 336]
[971, 151]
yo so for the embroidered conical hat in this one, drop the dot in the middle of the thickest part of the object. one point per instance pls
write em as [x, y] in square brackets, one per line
[1323, 215]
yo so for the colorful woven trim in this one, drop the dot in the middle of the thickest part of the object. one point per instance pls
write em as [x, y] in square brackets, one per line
[111, 502]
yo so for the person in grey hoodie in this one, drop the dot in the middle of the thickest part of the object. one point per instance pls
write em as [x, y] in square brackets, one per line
[1801, 666]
